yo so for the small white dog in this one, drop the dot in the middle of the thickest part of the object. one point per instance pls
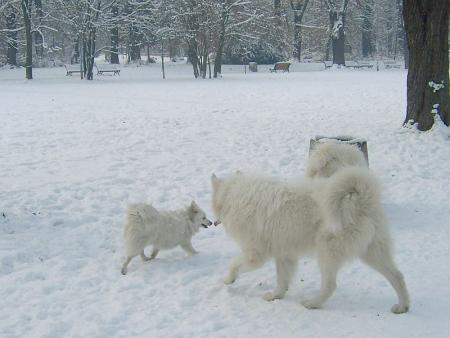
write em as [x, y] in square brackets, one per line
[162, 229]
[337, 218]
[328, 157]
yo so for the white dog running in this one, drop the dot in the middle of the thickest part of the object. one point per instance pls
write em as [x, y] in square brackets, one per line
[338, 218]
[163, 229]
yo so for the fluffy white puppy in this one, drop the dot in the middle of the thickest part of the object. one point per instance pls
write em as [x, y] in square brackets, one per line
[162, 229]
[338, 219]
[328, 157]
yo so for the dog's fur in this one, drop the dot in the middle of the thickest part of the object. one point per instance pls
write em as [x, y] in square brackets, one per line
[328, 157]
[337, 218]
[163, 229]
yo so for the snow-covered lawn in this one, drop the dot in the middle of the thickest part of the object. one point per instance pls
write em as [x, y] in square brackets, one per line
[74, 153]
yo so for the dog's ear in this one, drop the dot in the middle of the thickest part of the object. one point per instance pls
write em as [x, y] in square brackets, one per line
[194, 207]
[193, 210]
[215, 181]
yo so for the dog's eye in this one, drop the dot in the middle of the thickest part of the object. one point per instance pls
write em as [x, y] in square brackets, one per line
[203, 218]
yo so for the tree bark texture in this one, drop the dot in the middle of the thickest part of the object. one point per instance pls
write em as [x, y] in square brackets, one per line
[426, 24]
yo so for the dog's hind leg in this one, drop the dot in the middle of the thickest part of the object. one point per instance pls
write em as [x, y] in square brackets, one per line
[329, 264]
[379, 258]
[154, 253]
[286, 268]
[144, 257]
[240, 264]
[125, 265]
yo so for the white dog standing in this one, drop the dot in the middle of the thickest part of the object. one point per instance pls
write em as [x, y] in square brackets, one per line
[338, 218]
[163, 229]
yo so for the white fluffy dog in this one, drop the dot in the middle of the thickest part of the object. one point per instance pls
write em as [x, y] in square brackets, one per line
[328, 157]
[338, 218]
[163, 229]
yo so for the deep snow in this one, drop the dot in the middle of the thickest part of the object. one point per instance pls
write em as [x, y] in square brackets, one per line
[74, 153]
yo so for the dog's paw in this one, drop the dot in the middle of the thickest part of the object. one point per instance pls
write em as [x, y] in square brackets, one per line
[311, 304]
[397, 308]
[269, 296]
[229, 280]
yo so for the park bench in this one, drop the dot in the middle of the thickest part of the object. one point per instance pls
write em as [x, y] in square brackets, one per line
[102, 71]
[391, 64]
[282, 66]
[328, 64]
[70, 70]
[358, 64]
[364, 64]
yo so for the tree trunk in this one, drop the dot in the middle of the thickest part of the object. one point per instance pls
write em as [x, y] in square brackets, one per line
[26, 9]
[277, 12]
[38, 38]
[90, 54]
[297, 39]
[337, 21]
[426, 24]
[204, 57]
[11, 25]
[115, 37]
[221, 41]
[193, 56]
[162, 59]
[299, 10]
[367, 44]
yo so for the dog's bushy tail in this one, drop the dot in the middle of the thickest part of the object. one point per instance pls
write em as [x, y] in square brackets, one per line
[350, 196]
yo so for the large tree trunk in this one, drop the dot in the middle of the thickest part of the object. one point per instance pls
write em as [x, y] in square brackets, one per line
[115, 37]
[426, 24]
[337, 21]
[11, 25]
[26, 9]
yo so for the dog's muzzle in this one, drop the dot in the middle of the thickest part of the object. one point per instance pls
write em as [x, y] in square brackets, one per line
[207, 225]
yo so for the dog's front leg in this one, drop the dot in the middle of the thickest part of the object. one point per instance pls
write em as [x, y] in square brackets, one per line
[286, 268]
[187, 246]
[243, 263]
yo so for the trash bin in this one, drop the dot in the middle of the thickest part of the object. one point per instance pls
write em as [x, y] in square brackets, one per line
[361, 143]
[253, 67]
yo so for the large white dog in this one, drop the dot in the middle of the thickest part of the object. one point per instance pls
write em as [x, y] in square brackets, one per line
[337, 218]
[328, 157]
[163, 229]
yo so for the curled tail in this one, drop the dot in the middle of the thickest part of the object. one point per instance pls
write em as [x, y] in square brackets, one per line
[351, 196]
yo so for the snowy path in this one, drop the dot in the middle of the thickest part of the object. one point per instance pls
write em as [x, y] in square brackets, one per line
[73, 154]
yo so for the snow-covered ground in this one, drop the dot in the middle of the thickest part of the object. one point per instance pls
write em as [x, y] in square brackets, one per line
[74, 153]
